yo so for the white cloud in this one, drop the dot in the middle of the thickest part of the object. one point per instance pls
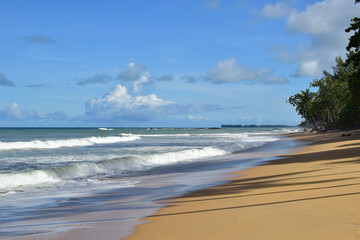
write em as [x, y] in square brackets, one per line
[323, 17]
[195, 118]
[118, 105]
[133, 72]
[324, 22]
[227, 71]
[11, 112]
[277, 10]
[14, 113]
[309, 69]
[135, 76]
[144, 78]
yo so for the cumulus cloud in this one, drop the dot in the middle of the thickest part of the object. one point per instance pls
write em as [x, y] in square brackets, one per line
[143, 79]
[14, 113]
[228, 71]
[309, 69]
[133, 72]
[277, 10]
[4, 81]
[324, 22]
[39, 39]
[323, 17]
[97, 78]
[135, 76]
[118, 105]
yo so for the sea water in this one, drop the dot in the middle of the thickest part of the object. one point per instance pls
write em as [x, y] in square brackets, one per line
[42, 168]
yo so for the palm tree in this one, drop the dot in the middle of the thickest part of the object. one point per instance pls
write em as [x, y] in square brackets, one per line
[304, 104]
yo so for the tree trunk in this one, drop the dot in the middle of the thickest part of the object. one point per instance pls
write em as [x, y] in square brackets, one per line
[316, 126]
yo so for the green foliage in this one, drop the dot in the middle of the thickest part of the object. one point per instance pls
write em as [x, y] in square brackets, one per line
[305, 105]
[354, 45]
[352, 114]
[333, 93]
[336, 101]
[325, 108]
[349, 117]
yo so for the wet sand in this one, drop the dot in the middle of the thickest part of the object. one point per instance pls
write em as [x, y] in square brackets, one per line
[311, 194]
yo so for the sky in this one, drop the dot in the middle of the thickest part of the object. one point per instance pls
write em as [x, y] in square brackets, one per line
[162, 63]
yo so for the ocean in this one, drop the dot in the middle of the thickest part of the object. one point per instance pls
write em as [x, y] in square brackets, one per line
[56, 179]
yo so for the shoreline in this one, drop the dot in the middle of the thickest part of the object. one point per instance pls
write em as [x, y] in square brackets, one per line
[113, 213]
[312, 193]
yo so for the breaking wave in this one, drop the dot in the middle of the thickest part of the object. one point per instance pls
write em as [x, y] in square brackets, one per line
[76, 142]
[108, 167]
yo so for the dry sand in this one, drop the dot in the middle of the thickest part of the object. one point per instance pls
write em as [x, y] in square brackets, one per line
[311, 194]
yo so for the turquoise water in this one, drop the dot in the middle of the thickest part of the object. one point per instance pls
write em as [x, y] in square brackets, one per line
[46, 167]
[43, 157]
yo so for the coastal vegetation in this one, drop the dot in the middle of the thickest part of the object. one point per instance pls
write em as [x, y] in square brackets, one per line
[333, 101]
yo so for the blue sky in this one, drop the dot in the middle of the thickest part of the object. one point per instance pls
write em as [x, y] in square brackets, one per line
[163, 63]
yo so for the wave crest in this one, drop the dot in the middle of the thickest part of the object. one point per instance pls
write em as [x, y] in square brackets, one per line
[107, 167]
[76, 142]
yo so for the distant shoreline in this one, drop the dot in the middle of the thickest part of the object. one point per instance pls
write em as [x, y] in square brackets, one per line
[254, 126]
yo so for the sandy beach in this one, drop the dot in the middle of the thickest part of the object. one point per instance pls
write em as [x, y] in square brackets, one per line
[313, 193]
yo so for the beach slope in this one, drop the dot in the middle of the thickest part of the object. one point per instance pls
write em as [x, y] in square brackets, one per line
[311, 194]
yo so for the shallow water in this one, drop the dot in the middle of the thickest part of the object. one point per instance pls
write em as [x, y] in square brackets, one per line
[56, 180]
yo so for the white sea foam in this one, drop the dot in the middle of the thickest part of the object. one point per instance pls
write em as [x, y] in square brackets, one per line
[106, 129]
[288, 130]
[96, 165]
[180, 156]
[164, 135]
[72, 171]
[211, 135]
[37, 177]
[76, 142]
[260, 139]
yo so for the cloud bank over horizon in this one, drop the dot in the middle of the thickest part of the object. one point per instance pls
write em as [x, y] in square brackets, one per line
[14, 112]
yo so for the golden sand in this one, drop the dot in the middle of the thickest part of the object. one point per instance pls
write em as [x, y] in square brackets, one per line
[311, 194]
